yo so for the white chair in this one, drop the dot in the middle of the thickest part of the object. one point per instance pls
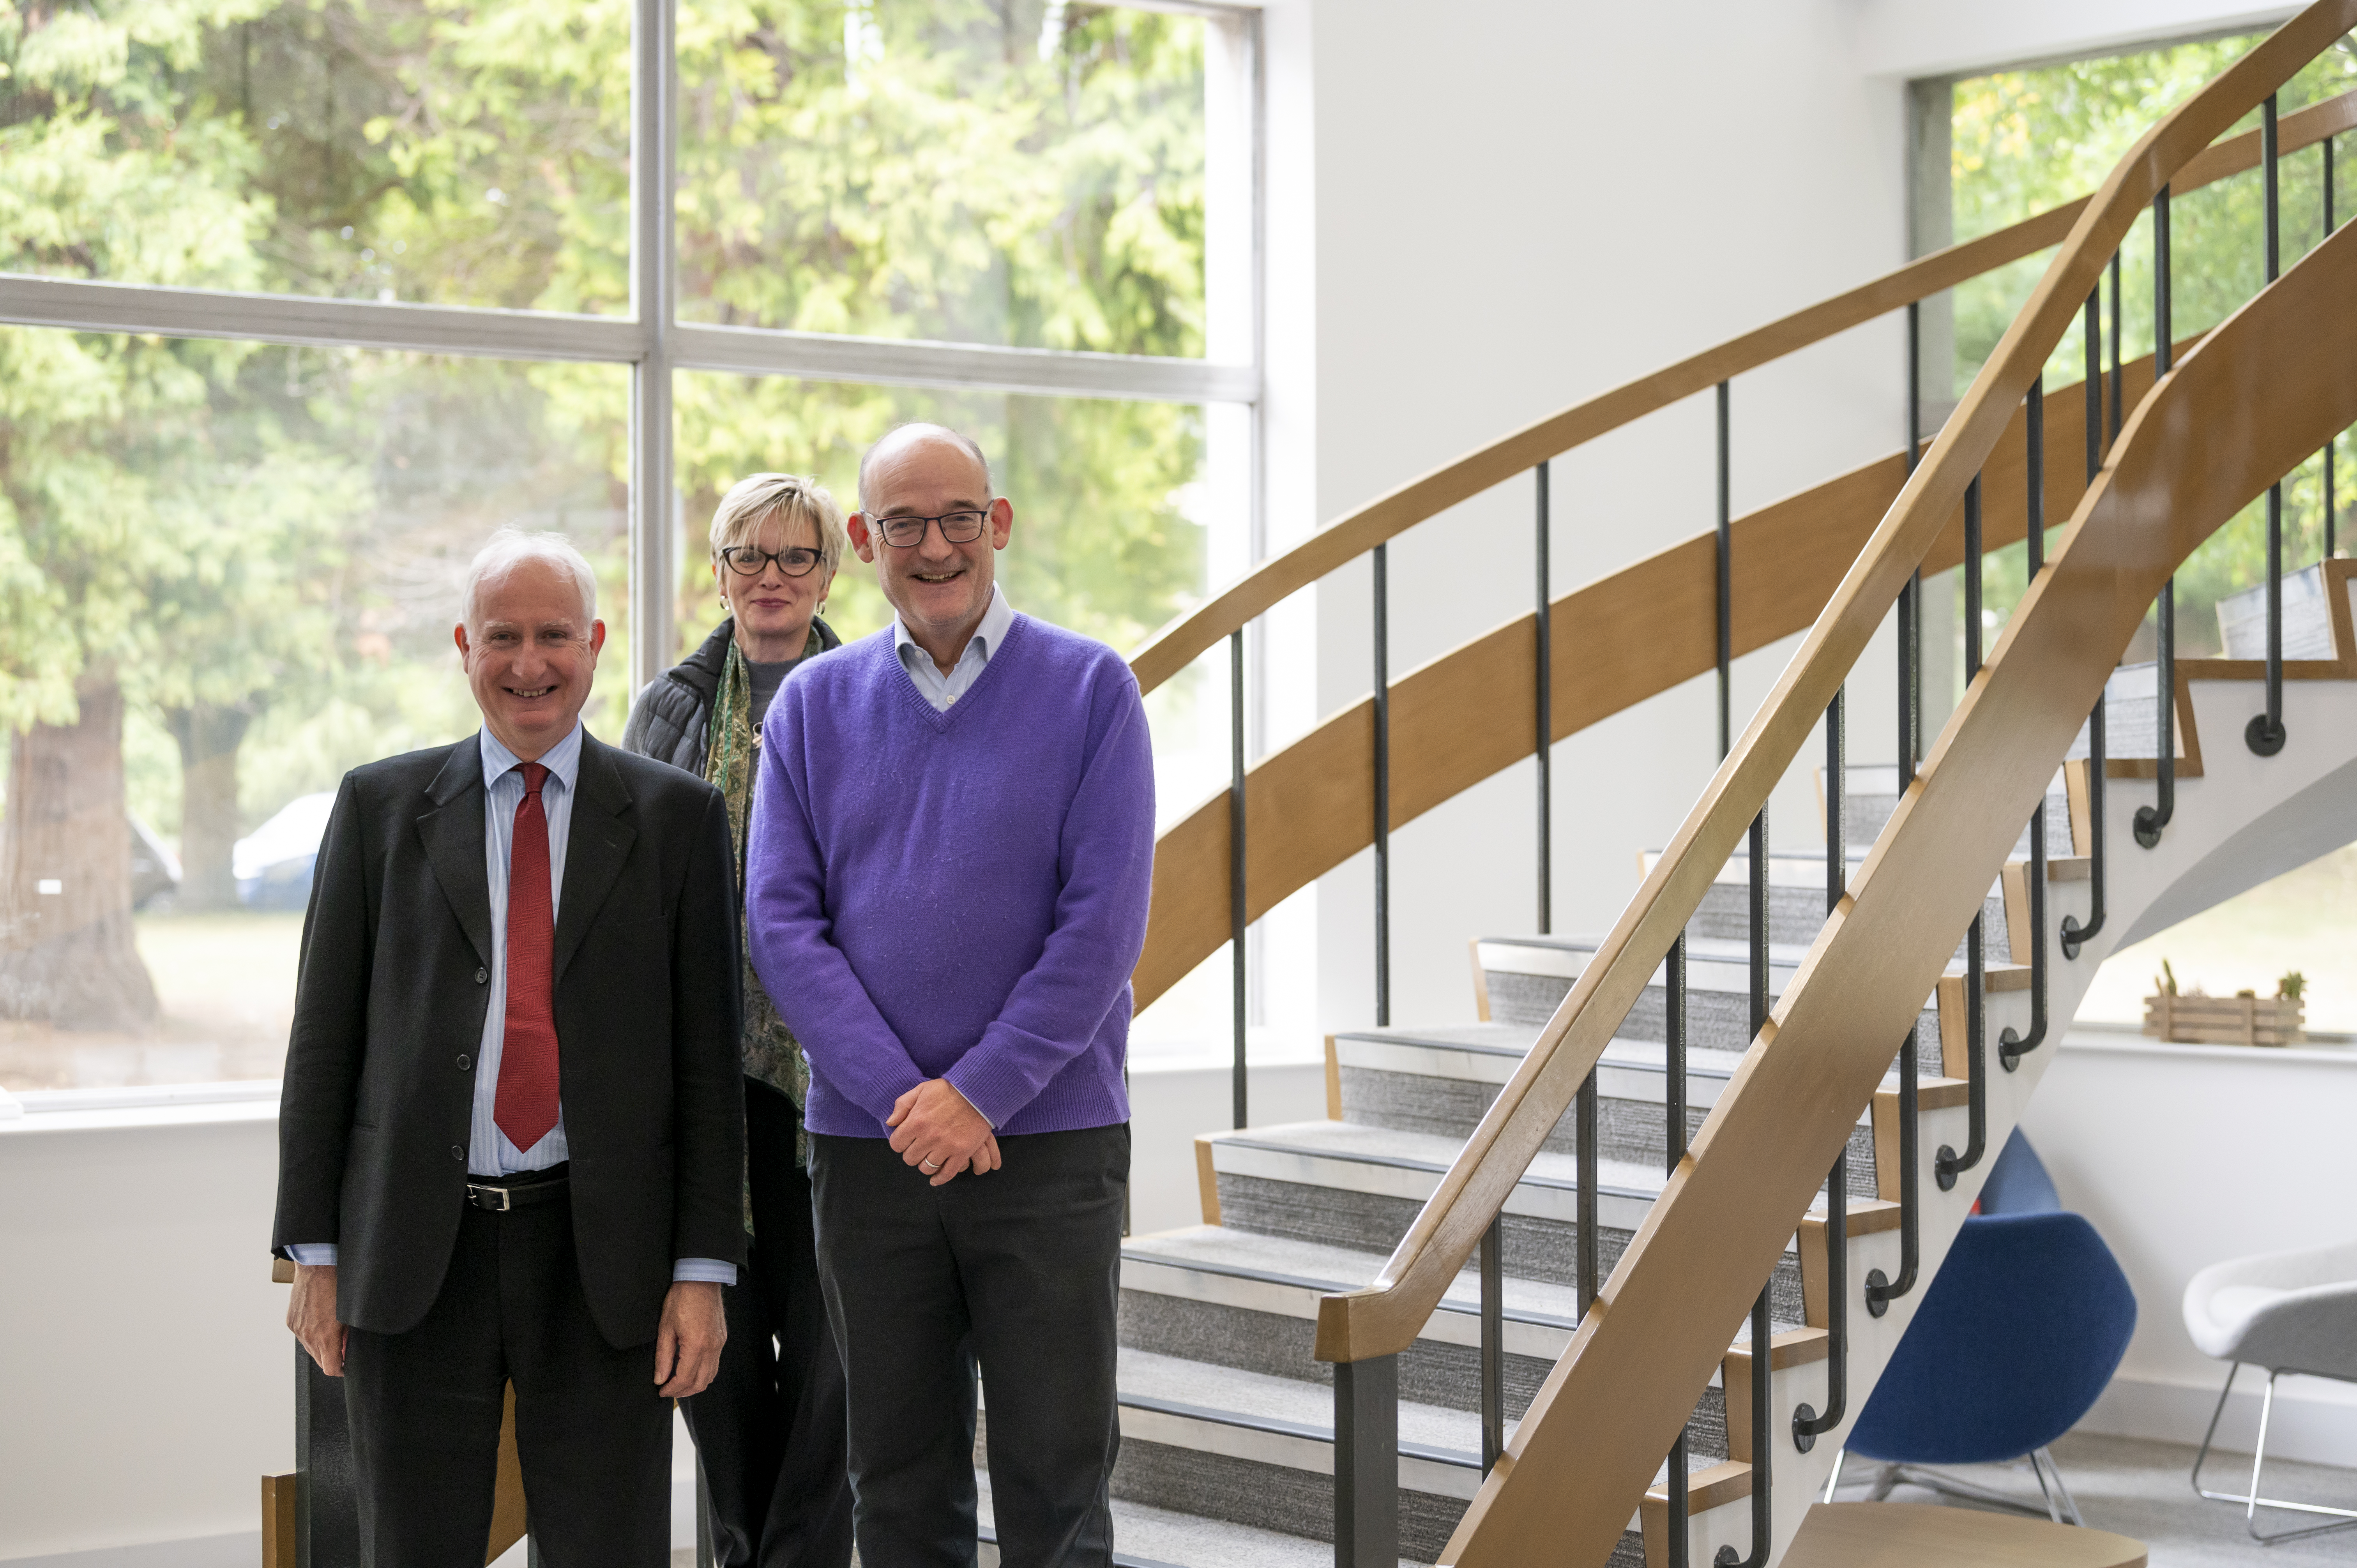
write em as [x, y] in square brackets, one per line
[2293, 1313]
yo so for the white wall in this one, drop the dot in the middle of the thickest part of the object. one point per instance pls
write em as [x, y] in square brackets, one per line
[1517, 206]
[1937, 38]
[2183, 1157]
[146, 1382]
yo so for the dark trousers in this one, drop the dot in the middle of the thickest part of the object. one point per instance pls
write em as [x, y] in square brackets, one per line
[770, 1429]
[593, 1437]
[1019, 1271]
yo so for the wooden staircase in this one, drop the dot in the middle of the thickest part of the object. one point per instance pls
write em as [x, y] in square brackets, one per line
[1343, 1249]
[1226, 1417]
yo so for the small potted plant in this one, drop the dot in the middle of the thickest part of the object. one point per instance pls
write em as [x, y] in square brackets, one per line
[2245, 1018]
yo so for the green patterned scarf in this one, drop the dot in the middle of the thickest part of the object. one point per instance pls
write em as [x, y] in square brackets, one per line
[732, 753]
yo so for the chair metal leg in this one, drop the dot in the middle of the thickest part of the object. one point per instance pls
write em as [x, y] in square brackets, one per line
[2203, 1454]
[2342, 1519]
[2038, 1474]
[2070, 1504]
[1833, 1480]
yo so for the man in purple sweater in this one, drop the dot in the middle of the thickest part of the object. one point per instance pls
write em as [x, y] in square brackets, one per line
[946, 877]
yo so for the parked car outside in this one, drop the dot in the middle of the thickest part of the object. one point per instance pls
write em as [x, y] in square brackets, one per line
[273, 863]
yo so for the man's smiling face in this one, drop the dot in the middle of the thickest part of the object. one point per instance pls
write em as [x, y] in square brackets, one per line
[531, 655]
[940, 588]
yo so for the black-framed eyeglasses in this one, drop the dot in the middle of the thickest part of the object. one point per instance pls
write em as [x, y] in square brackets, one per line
[748, 561]
[958, 527]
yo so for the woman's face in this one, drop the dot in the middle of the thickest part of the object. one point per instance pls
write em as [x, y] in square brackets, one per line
[771, 606]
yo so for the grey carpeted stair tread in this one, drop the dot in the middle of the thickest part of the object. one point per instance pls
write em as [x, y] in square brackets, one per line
[1144, 1533]
[1431, 1152]
[1314, 1265]
[1528, 977]
[1318, 1267]
[1870, 794]
[1514, 1040]
[2306, 618]
[1256, 1397]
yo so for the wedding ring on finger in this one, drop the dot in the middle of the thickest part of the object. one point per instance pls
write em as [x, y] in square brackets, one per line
[930, 1167]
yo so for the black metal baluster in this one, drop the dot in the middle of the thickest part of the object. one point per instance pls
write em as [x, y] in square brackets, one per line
[1673, 1105]
[1383, 789]
[1762, 1331]
[1366, 1393]
[2119, 379]
[1583, 1110]
[2265, 733]
[1762, 1376]
[1881, 1289]
[1807, 1424]
[2151, 820]
[1759, 900]
[1949, 1164]
[1725, 586]
[1236, 859]
[1494, 1343]
[1545, 673]
[2075, 935]
[1366, 1463]
[2011, 1047]
[2329, 518]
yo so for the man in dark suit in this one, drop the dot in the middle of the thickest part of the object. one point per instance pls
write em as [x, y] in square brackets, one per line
[511, 1136]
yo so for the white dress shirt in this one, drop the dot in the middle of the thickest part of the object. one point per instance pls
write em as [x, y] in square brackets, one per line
[943, 690]
[489, 1152]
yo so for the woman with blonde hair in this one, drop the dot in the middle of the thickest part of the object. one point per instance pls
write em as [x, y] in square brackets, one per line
[770, 1429]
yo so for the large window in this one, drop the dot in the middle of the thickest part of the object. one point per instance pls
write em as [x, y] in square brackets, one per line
[299, 301]
[2023, 141]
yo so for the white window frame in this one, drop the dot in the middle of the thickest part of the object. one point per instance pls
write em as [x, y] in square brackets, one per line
[654, 343]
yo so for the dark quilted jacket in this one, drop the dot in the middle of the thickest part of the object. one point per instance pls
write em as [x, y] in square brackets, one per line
[668, 721]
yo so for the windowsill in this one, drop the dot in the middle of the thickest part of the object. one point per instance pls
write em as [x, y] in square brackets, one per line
[2127, 1040]
[146, 1105]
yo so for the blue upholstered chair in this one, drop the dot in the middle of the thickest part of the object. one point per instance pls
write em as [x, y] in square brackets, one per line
[2019, 1333]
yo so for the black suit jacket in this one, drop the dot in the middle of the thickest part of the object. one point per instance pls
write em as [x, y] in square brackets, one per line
[389, 1011]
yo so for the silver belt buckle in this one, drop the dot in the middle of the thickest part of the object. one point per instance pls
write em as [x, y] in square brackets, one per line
[506, 1197]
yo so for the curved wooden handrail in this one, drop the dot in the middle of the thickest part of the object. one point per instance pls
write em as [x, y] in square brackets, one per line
[2264, 392]
[1345, 539]
[1626, 637]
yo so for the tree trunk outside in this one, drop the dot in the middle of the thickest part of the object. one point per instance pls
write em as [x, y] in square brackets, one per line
[66, 949]
[209, 738]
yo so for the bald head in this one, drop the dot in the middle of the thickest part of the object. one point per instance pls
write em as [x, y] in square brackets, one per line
[917, 441]
[924, 484]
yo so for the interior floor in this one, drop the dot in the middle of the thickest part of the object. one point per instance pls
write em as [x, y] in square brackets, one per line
[2137, 1488]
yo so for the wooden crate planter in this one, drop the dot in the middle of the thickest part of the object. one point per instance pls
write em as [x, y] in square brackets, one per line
[2245, 1020]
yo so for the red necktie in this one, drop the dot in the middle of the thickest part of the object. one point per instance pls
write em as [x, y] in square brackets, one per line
[525, 1106]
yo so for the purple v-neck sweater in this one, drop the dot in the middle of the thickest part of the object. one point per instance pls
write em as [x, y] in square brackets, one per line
[956, 894]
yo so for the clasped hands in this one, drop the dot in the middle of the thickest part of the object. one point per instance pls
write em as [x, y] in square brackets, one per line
[937, 1130]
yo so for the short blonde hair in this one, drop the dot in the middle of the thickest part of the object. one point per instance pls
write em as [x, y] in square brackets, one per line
[751, 500]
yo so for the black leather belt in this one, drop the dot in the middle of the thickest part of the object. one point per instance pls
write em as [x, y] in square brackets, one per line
[499, 1197]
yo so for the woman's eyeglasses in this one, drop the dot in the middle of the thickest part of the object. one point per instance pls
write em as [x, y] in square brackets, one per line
[748, 561]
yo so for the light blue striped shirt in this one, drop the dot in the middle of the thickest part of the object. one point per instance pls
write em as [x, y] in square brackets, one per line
[489, 1152]
[942, 689]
